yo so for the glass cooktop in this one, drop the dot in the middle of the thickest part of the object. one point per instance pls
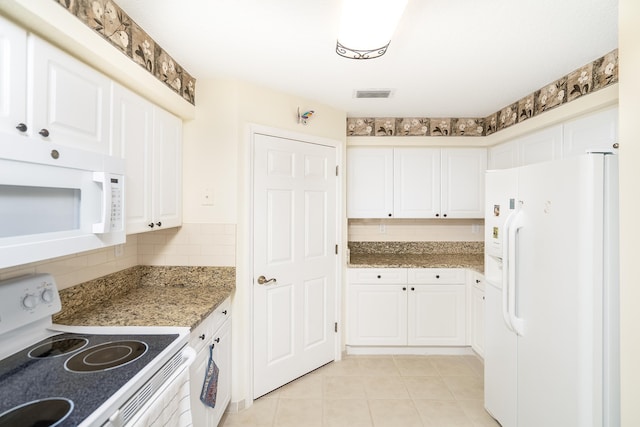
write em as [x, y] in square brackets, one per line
[61, 380]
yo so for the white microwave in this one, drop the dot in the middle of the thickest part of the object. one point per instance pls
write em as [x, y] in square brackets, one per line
[56, 200]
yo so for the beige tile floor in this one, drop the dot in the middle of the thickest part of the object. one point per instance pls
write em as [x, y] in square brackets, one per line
[376, 391]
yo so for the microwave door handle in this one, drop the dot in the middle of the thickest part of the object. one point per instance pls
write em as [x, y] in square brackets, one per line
[105, 224]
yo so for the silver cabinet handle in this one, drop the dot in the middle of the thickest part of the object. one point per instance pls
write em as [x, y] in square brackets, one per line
[263, 280]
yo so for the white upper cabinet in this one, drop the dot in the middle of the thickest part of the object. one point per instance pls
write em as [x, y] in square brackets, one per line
[541, 146]
[150, 139]
[167, 169]
[462, 183]
[416, 182]
[593, 132]
[133, 139]
[503, 156]
[13, 78]
[68, 100]
[369, 182]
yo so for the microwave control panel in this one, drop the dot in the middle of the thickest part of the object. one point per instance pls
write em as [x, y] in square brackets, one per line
[117, 222]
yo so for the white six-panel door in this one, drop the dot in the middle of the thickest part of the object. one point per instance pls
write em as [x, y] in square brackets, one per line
[294, 223]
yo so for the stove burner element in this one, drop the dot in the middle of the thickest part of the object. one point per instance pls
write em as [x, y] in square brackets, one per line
[106, 356]
[58, 347]
[38, 413]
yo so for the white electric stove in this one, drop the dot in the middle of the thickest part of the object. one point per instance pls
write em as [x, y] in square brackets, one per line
[53, 375]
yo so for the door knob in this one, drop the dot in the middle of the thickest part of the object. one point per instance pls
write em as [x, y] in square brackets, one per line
[263, 280]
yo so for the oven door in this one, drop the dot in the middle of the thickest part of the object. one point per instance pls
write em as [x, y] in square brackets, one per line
[169, 401]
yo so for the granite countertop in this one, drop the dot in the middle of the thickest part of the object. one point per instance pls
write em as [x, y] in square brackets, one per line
[434, 254]
[433, 260]
[147, 296]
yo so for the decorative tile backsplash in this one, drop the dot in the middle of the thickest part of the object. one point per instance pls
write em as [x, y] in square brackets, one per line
[594, 76]
[107, 19]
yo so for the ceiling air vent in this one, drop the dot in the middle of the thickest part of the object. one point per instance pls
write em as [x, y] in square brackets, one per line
[373, 93]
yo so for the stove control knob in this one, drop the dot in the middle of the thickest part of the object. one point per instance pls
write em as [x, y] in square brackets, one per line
[29, 301]
[47, 296]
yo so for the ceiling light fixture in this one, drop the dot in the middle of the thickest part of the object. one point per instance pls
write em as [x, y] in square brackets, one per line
[366, 27]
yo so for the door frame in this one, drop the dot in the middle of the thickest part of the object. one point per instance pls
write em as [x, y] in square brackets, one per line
[245, 256]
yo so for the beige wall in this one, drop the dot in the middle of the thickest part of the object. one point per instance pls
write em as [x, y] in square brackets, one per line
[629, 12]
[216, 155]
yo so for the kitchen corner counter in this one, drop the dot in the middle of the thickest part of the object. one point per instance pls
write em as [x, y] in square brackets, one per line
[147, 296]
[434, 260]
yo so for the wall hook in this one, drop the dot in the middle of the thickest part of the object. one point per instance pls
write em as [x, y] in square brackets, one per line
[302, 118]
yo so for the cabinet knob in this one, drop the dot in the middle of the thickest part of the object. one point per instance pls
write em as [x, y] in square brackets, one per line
[413, 289]
[379, 276]
[444, 215]
[21, 127]
[437, 215]
[404, 288]
[437, 276]
[159, 224]
[224, 312]
[217, 340]
[616, 145]
[202, 337]
[477, 280]
[44, 132]
[390, 215]
[151, 225]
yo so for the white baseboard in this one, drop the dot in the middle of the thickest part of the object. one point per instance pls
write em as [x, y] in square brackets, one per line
[402, 350]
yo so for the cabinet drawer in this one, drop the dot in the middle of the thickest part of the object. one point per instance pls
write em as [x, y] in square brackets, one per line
[377, 275]
[203, 333]
[436, 275]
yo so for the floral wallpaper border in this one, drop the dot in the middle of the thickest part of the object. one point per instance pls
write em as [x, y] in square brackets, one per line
[107, 19]
[587, 79]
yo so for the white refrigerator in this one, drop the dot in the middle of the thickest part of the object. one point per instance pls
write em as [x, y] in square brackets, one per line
[551, 304]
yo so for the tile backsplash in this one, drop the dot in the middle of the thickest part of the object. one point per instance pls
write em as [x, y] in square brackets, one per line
[204, 245]
[211, 245]
[587, 79]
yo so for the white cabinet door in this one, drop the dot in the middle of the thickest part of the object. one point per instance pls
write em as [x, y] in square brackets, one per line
[477, 319]
[68, 100]
[222, 357]
[13, 80]
[377, 315]
[150, 139]
[167, 172]
[369, 182]
[132, 138]
[594, 132]
[463, 182]
[436, 315]
[503, 156]
[416, 182]
[214, 331]
[541, 146]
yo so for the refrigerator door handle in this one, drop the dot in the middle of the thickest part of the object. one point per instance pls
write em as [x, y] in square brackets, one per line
[505, 269]
[517, 323]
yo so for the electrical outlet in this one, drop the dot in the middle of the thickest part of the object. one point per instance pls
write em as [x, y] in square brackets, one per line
[118, 250]
[475, 228]
[207, 197]
[383, 228]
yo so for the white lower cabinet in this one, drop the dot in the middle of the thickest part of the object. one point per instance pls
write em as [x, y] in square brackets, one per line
[399, 307]
[477, 314]
[212, 336]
